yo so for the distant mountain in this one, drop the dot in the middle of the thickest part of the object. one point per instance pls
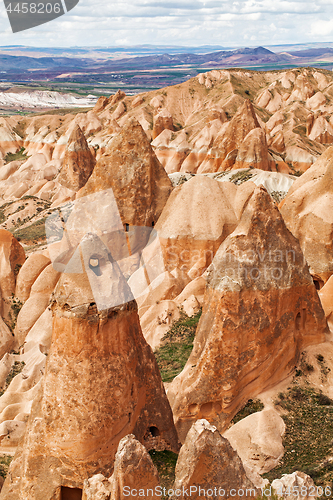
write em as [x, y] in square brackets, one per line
[98, 66]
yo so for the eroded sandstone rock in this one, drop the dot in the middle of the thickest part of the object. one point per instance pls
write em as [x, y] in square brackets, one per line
[258, 440]
[307, 211]
[197, 217]
[138, 180]
[12, 256]
[298, 480]
[133, 470]
[261, 309]
[208, 461]
[101, 383]
[78, 161]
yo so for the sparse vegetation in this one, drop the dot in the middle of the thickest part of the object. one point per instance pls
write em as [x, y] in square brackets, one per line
[165, 463]
[240, 177]
[20, 128]
[16, 306]
[4, 465]
[35, 232]
[252, 406]
[19, 155]
[324, 369]
[16, 369]
[308, 416]
[176, 346]
[278, 196]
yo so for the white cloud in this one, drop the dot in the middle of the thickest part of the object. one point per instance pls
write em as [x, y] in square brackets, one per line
[322, 28]
[183, 22]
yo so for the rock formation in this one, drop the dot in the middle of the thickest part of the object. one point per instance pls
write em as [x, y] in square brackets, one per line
[196, 219]
[232, 137]
[101, 383]
[257, 439]
[326, 299]
[162, 121]
[133, 470]
[260, 310]
[28, 274]
[12, 256]
[253, 151]
[78, 161]
[307, 212]
[139, 182]
[284, 487]
[207, 461]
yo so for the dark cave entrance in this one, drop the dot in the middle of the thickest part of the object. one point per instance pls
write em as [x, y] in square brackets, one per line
[70, 493]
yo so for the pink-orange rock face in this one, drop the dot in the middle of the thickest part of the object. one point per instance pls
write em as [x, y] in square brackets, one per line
[101, 383]
[78, 162]
[162, 121]
[241, 124]
[196, 219]
[261, 309]
[138, 180]
[133, 470]
[207, 461]
[12, 256]
[253, 152]
[308, 213]
[28, 274]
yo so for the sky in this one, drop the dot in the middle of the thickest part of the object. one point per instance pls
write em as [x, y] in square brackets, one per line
[184, 22]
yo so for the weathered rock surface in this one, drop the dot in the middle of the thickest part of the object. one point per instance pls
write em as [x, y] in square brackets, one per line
[138, 180]
[197, 217]
[307, 211]
[207, 460]
[253, 152]
[326, 299]
[37, 302]
[261, 309]
[28, 274]
[12, 256]
[162, 121]
[96, 487]
[298, 480]
[258, 440]
[100, 362]
[78, 161]
[133, 470]
[233, 136]
[6, 339]
[157, 321]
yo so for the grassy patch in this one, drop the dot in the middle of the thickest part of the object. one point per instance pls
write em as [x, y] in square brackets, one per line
[19, 155]
[16, 306]
[165, 463]
[176, 346]
[15, 370]
[308, 439]
[252, 406]
[4, 465]
[278, 196]
[241, 177]
[35, 232]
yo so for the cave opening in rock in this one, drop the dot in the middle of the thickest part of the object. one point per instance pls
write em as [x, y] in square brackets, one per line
[70, 493]
[154, 431]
